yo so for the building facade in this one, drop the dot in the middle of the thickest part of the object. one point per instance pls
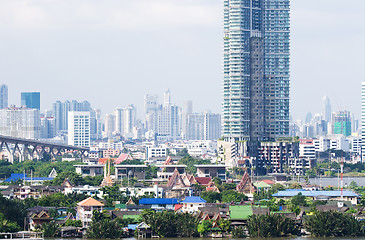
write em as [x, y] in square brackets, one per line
[31, 100]
[20, 122]
[256, 69]
[79, 129]
[3, 96]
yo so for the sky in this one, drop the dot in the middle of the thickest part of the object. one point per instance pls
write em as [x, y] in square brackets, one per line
[113, 52]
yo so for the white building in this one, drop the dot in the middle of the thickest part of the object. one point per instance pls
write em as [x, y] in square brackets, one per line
[307, 149]
[156, 152]
[363, 120]
[79, 129]
[20, 122]
[125, 120]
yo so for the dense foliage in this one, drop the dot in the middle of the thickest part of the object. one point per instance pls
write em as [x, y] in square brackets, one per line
[189, 161]
[271, 225]
[12, 214]
[102, 227]
[333, 224]
[169, 224]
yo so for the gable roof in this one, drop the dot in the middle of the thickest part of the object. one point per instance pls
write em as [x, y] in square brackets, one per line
[122, 157]
[168, 161]
[193, 200]
[176, 180]
[245, 185]
[130, 202]
[203, 180]
[90, 202]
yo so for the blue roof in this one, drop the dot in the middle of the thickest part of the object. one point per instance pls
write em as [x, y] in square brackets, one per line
[293, 192]
[156, 201]
[132, 226]
[194, 200]
[15, 176]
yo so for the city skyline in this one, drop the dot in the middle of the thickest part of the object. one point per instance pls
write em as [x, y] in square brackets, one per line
[44, 67]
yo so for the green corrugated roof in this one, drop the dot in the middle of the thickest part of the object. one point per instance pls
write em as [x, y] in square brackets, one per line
[120, 206]
[262, 185]
[109, 208]
[136, 218]
[240, 212]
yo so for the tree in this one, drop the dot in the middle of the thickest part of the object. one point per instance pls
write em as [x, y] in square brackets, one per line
[102, 227]
[299, 200]
[333, 224]
[233, 196]
[211, 197]
[205, 227]
[12, 211]
[271, 225]
[50, 229]
[7, 225]
[74, 223]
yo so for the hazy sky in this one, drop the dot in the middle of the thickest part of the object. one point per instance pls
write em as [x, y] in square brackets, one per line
[113, 52]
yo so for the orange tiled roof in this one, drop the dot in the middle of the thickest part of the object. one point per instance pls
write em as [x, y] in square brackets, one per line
[90, 202]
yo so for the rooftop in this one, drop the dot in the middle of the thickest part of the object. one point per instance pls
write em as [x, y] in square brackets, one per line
[156, 201]
[193, 200]
[294, 192]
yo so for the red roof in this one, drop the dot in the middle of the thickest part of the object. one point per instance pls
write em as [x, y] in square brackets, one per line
[102, 161]
[203, 180]
[122, 157]
[268, 182]
[178, 206]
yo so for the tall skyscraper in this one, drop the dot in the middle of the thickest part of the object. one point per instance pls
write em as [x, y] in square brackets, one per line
[151, 107]
[363, 120]
[3, 96]
[203, 126]
[79, 129]
[31, 100]
[326, 109]
[125, 120]
[61, 109]
[256, 69]
[186, 110]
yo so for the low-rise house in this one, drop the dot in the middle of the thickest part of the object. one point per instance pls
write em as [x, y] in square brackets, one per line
[160, 204]
[320, 195]
[192, 204]
[91, 170]
[211, 171]
[131, 171]
[167, 171]
[39, 219]
[86, 189]
[85, 210]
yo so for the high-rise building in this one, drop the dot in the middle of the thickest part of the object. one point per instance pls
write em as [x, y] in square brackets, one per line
[125, 120]
[151, 107]
[203, 126]
[363, 120]
[20, 122]
[326, 109]
[341, 123]
[109, 125]
[31, 100]
[61, 109]
[3, 96]
[79, 128]
[186, 110]
[256, 69]
[48, 127]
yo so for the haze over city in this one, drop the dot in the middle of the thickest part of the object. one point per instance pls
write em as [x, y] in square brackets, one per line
[111, 53]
